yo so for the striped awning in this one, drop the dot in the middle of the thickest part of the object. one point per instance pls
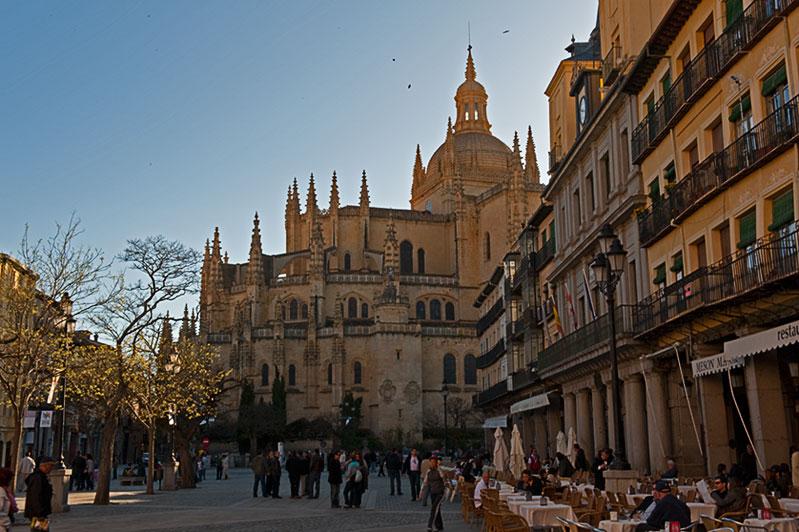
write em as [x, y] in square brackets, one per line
[763, 341]
[494, 422]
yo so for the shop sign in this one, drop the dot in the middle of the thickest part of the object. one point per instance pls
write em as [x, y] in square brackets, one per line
[715, 364]
[763, 341]
[531, 403]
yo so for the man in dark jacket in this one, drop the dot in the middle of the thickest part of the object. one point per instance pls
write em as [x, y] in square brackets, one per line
[601, 464]
[315, 475]
[413, 468]
[394, 466]
[667, 508]
[334, 478]
[273, 474]
[729, 496]
[294, 467]
[39, 493]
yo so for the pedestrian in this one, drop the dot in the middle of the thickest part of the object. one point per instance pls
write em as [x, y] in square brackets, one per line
[293, 467]
[381, 460]
[258, 466]
[305, 471]
[39, 495]
[434, 485]
[671, 470]
[225, 466]
[394, 467]
[315, 475]
[273, 474]
[89, 474]
[601, 464]
[425, 466]
[354, 477]
[334, 478]
[206, 464]
[363, 485]
[533, 461]
[565, 468]
[580, 461]
[8, 503]
[749, 464]
[218, 460]
[77, 479]
[413, 468]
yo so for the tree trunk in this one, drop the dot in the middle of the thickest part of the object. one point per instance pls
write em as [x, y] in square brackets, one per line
[187, 476]
[151, 460]
[16, 445]
[107, 438]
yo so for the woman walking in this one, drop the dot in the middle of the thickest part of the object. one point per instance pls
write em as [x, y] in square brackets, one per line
[434, 485]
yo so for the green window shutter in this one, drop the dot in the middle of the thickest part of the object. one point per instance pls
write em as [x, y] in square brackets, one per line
[774, 81]
[670, 174]
[666, 82]
[660, 275]
[747, 230]
[746, 104]
[654, 190]
[742, 106]
[781, 210]
[677, 266]
[735, 113]
[735, 9]
[552, 232]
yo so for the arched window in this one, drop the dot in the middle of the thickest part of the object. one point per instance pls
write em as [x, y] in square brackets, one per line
[487, 246]
[347, 262]
[406, 257]
[364, 310]
[304, 311]
[352, 308]
[265, 375]
[420, 310]
[330, 374]
[450, 374]
[292, 375]
[420, 261]
[435, 310]
[469, 370]
[357, 373]
[449, 312]
[293, 309]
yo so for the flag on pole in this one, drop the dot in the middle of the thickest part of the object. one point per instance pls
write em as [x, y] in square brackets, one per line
[588, 295]
[569, 302]
[556, 315]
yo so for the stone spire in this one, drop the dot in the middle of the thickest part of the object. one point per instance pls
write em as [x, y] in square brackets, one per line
[215, 267]
[185, 325]
[471, 102]
[165, 341]
[311, 207]
[471, 74]
[516, 157]
[390, 249]
[334, 198]
[364, 200]
[193, 324]
[317, 262]
[531, 173]
[418, 171]
[255, 272]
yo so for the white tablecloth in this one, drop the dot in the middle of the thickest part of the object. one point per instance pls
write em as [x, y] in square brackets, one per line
[537, 515]
[619, 526]
[792, 505]
[699, 508]
[784, 524]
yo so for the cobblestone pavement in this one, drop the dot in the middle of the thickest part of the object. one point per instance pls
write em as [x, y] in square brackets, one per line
[229, 506]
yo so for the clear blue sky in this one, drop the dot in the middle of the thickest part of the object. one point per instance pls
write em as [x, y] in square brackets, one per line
[173, 117]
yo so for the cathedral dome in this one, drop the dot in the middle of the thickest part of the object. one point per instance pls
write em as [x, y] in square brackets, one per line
[475, 153]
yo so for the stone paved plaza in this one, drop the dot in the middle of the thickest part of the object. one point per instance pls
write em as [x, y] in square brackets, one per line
[229, 506]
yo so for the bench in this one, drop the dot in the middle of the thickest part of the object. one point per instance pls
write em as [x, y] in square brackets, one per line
[131, 481]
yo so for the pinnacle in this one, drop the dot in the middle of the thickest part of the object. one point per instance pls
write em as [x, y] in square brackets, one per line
[471, 74]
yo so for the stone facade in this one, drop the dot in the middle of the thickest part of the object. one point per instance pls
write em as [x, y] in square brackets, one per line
[377, 301]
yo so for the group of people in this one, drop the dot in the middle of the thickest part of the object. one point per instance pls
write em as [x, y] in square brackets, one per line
[83, 473]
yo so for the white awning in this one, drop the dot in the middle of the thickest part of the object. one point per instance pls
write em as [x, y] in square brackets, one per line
[531, 403]
[714, 364]
[494, 422]
[763, 341]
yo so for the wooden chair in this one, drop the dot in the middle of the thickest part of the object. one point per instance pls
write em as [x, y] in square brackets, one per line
[777, 509]
[505, 522]
[691, 496]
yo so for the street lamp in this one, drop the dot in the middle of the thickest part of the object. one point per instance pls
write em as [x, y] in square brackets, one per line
[445, 394]
[608, 267]
[69, 332]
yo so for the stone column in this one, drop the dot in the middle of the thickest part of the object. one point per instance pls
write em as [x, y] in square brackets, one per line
[569, 413]
[636, 433]
[714, 414]
[658, 421]
[554, 424]
[766, 411]
[59, 478]
[599, 413]
[585, 432]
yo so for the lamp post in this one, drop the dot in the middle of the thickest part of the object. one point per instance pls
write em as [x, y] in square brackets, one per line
[608, 267]
[445, 394]
[69, 332]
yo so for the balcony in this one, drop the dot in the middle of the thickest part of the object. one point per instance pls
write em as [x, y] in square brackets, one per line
[611, 65]
[545, 254]
[514, 330]
[492, 355]
[521, 273]
[768, 138]
[768, 260]
[522, 378]
[490, 394]
[491, 316]
[709, 65]
[588, 337]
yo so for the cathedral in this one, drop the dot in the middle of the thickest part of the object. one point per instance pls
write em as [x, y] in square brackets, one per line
[378, 301]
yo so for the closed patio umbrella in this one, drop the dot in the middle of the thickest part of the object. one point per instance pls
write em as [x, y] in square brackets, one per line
[516, 453]
[500, 451]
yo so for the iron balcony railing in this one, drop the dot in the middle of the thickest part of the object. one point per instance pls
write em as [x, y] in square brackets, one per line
[767, 260]
[521, 272]
[492, 355]
[611, 65]
[491, 316]
[588, 337]
[523, 377]
[708, 66]
[765, 140]
[545, 254]
[490, 394]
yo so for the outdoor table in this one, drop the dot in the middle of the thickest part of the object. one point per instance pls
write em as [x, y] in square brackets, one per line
[782, 524]
[537, 515]
[636, 498]
[510, 496]
[792, 505]
[686, 489]
[699, 508]
[514, 503]
[627, 525]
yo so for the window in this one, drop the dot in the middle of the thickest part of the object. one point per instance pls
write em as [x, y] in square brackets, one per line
[747, 229]
[632, 283]
[304, 311]
[707, 32]
[450, 373]
[292, 375]
[552, 232]
[476, 114]
[406, 257]
[665, 82]
[487, 246]
[660, 276]
[466, 108]
[735, 9]
[677, 266]
[420, 310]
[428, 206]
[352, 308]
[604, 174]
[347, 262]
[578, 212]
[781, 211]
[684, 59]
[449, 312]
[435, 310]
[330, 374]
[420, 261]
[589, 185]
[654, 190]
[775, 89]
[692, 156]
[625, 155]
[700, 253]
[293, 309]
[265, 375]
[741, 118]
[670, 174]
[357, 371]
[364, 310]
[724, 239]
[717, 137]
[470, 370]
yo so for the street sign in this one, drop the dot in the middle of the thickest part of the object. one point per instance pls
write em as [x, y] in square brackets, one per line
[206, 442]
[47, 419]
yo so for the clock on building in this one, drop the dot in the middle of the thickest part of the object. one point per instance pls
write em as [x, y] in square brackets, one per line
[582, 109]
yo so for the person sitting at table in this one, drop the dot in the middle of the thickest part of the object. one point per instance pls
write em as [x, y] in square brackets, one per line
[729, 495]
[671, 470]
[565, 468]
[530, 483]
[645, 508]
[478, 490]
[774, 482]
[667, 508]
